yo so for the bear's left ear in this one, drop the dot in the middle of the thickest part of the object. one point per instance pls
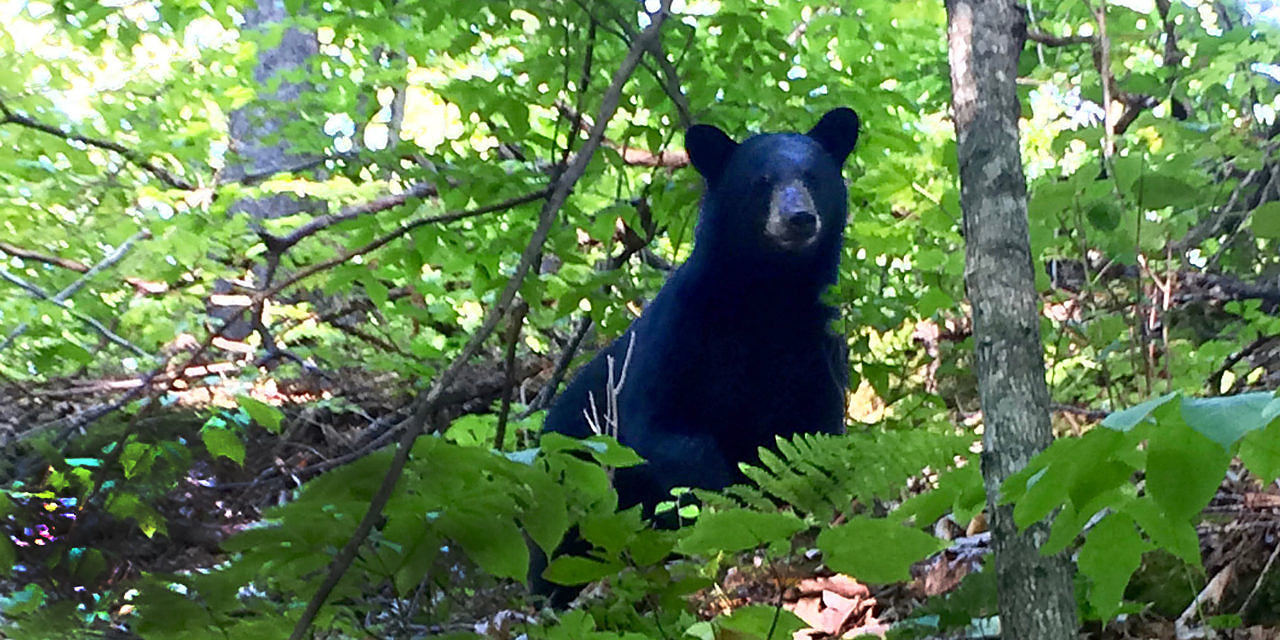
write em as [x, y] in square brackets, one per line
[709, 149]
[837, 132]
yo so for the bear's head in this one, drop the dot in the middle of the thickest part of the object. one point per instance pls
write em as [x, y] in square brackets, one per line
[776, 200]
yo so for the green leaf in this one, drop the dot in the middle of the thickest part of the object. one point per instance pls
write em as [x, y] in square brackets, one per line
[1159, 191]
[223, 442]
[738, 530]
[492, 541]
[1104, 216]
[762, 621]
[1226, 419]
[1177, 536]
[1048, 487]
[612, 530]
[262, 413]
[1094, 476]
[7, 556]
[1260, 452]
[1129, 418]
[128, 505]
[1109, 556]
[651, 546]
[1127, 170]
[547, 518]
[1184, 468]
[165, 612]
[925, 508]
[137, 458]
[1226, 621]
[1265, 220]
[876, 550]
[578, 570]
[607, 451]
[1066, 525]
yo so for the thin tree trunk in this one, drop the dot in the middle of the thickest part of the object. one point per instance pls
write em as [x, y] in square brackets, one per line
[984, 39]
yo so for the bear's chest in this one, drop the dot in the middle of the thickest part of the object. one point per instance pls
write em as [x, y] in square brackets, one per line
[743, 383]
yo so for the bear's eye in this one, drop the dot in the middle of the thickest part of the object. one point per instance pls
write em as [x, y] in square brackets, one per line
[760, 183]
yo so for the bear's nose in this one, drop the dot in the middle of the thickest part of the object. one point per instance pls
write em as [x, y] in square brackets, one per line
[800, 223]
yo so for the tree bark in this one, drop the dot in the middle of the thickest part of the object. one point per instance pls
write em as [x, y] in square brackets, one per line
[260, 147]
[984, 40]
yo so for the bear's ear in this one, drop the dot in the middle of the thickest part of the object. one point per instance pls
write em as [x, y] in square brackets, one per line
[837, 132]
[709, 149]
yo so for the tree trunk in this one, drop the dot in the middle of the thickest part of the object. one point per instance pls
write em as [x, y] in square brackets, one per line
[984, 39]
[260, 146]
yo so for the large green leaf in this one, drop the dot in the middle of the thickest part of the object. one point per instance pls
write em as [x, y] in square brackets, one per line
[1184, 467]
[739, 530]
[1265, 220]
[262, 413]
[1127, 419]
[223, 442]
[1110, 555]
[494, 542]
[578, 570]
[1260, 452]
[1158, 191]
[761, 622]
[876, 550]
[1226, 419]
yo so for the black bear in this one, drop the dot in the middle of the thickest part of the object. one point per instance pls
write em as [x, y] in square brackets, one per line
[736, 348]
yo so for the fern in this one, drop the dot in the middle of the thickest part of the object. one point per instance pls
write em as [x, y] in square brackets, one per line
[820, 475]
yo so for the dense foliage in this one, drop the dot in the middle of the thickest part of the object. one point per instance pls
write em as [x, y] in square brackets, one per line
[227, 196]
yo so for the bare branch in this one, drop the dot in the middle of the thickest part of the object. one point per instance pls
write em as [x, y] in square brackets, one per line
[97, 326]
[132, 155]
[281, 243]
[1049, 40]
[141, 285]
[669, 78]
[672, 159]
[35, 256]
[404, 229]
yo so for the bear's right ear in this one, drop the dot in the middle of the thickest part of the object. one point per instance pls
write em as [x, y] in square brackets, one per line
[709, 149]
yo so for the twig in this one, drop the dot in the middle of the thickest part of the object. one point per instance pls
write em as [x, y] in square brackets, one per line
[1211, 594]
[608, 424]
[631, 156]
[669, 79]
[1172, 54]
[1213, 224]
[74, 287]
[141, 285]
[1049, 40]
[1215, 380]
[426, 403]
[1266, 569]
[132, 155]
[1085, 412]
[318, 223]
[548, 390]
[1212, 265]
[402, 230]
[509, 373]
[35, 256]
[97, 326]
[1102, 59]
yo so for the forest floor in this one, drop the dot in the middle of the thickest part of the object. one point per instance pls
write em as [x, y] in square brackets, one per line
[331, 421]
